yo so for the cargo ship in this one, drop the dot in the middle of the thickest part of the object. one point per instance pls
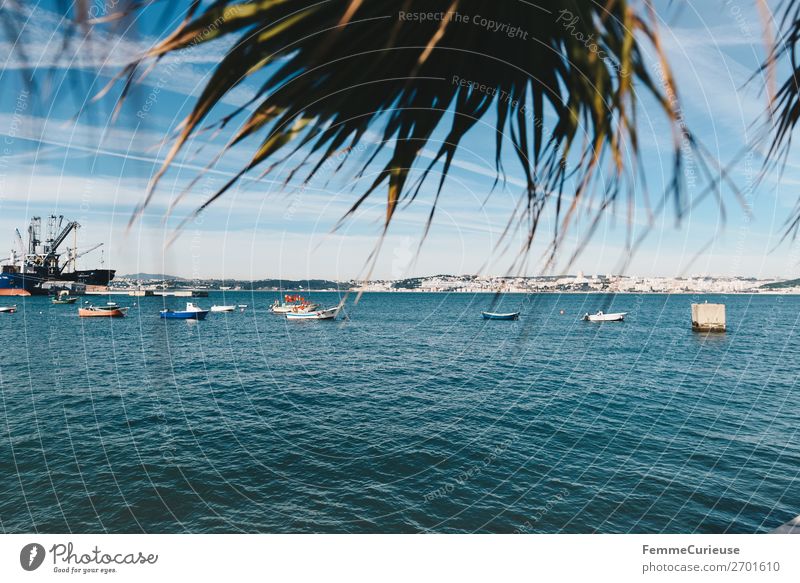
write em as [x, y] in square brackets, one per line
[38, 268]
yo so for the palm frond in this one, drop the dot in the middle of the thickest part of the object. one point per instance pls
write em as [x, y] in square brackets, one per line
[784, 108]
[562, 88]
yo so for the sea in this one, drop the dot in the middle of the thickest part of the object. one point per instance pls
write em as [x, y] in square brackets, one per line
[408, 414]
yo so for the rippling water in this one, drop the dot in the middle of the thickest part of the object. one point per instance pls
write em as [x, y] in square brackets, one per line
[412, 415]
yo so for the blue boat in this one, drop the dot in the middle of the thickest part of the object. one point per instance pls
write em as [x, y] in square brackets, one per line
[497, 316]
[191, 312]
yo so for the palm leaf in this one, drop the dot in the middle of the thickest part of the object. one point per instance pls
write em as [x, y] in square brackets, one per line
[338, 68]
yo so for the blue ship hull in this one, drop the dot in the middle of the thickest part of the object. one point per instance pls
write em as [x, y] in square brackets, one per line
[182, 315]
[18, 284]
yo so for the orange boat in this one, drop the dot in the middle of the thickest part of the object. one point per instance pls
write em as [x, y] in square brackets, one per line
[110, 311]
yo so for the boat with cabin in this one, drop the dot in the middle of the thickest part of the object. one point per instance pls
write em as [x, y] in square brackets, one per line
[292, 303]
[63, 297]
[192, 312]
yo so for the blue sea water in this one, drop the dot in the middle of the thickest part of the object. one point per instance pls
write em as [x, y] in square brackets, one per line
[411, 415]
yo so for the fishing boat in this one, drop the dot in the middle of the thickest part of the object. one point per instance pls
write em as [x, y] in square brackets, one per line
[602, 317]
[8, 309]
[292, 303]
[111, 310]
[327, 314]
[223, 308]
[191, 312]
[499, 316]
[63, 297]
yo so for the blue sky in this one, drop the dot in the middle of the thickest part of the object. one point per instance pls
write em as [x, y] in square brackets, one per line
[83, 165]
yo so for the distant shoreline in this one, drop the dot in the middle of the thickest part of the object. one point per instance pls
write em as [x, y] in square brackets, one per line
[416, 291]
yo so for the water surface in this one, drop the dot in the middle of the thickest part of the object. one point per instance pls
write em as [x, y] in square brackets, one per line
[411, 415]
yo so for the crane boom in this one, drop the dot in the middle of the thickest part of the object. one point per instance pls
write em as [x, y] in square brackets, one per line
[63, 235]
[89, 250]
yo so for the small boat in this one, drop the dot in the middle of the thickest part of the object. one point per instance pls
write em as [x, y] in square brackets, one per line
[290, 302]
[223, 308]
[63, 297]
[497, 316]
[327, 314]
[8, 309]
[191, 312]
[601, 317]
[110, 310]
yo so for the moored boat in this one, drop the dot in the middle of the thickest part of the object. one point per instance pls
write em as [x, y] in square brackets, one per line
[326, 314]
[223, 308]
[8, 309]
[292, 303]
[191, 312]
[108, 311]
[500, 316]
[602, 317]
[63, 297]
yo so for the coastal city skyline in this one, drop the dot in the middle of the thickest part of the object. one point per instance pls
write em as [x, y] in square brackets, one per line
[577, 283]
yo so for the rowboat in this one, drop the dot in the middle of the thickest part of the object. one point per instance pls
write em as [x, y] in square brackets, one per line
[290, 304]
[498, 316]
[63, 297]
[327, 314]
[191, 312]
[8, 309]
[601, 317]
[223, 308]
[109, 311]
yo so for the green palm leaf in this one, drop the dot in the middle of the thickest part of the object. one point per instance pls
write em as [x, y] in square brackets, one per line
[340, 68]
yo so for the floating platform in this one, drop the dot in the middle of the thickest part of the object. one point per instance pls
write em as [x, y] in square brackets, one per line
[708, 317]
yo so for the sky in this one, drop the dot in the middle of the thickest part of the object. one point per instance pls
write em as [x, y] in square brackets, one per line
[63, 152]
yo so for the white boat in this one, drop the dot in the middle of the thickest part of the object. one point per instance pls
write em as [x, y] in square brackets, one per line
[327, 314]
[223, 308]
[602, 317]
[8, 309]
[292, 303]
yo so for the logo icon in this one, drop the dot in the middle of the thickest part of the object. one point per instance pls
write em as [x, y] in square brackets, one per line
[31, 556]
